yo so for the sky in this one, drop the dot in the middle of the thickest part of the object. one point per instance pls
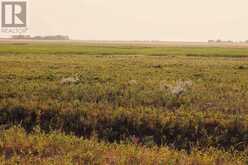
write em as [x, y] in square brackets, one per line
[167, 20]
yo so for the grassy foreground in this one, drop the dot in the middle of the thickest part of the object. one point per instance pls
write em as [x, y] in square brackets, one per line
[17, 147]
[185, 105]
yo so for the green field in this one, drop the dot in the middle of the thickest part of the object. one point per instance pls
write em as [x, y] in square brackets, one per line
[74, 103]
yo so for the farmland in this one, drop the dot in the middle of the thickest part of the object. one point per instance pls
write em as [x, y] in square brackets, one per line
[74, 103]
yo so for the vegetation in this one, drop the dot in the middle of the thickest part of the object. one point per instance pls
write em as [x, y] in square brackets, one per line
[134, 104]
[17, 147]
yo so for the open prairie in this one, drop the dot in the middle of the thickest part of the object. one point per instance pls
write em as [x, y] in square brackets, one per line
[123, 103]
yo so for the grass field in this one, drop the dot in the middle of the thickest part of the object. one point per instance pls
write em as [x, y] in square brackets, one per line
[72, 103]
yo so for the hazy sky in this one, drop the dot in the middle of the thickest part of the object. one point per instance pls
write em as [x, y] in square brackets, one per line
[187, 20]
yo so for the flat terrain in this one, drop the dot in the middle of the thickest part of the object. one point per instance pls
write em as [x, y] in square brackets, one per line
[105, 103]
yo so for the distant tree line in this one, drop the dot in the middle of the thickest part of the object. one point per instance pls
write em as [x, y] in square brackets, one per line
[226, 41]
[52, 37]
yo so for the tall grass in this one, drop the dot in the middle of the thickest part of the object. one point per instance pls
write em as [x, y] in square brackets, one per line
[156, 97]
